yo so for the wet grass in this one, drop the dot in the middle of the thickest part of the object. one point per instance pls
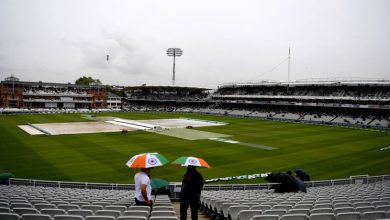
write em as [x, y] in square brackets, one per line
[326, 152]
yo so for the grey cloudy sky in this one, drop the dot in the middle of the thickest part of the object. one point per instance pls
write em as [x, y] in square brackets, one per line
[222, 40]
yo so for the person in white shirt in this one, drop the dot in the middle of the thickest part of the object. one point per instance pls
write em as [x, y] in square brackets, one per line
[143, 189]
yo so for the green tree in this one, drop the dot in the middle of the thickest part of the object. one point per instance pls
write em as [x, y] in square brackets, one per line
[84, 80]
[115, 91]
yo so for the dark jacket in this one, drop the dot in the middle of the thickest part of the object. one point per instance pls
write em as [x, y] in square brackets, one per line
[192, 184]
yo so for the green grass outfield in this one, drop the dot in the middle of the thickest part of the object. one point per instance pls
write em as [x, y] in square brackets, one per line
[326, 152]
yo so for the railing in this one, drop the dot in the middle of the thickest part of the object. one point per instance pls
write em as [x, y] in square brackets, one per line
[64, 184]
[175, 187]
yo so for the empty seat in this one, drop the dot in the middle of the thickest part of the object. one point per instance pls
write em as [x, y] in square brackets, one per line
[53, 212]
[225, 208]
[140, 208]
[132, 218]
[344, 209]
[57, 203]
[234, 210]
[219, 203]
[361, 204]
[67, 207]
[162, 204]
[303, 206]
[120, 208]
[127, 204]
[163, 213]
[278, 212]
[373, 215]
[35, 217]
[4, 204]
[4, 201]
[136, 213]
[68, 217]
[105, 212]
[342, 205]
[241, 201]
[162, 218]
[5, 210]
[93, 208]
[248, 214]
[81, 212]
[250, 204]
[347, 216]
[104, 204]
[299, 211]
[269, 203]
[265, 217]
[22, 211]
[99, 218]
[163, 208]
[41, 206]
[365, 209]
[9, 216]
[385, 208]
[38, 201]
[261, 207]
[321, 210]
[286, 207]
[321, 216]
[21, 205]
[293, 217]
[323, 205]
[379, 203]
[80, 203]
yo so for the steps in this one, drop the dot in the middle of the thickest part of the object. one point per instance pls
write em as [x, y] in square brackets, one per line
[201, 215]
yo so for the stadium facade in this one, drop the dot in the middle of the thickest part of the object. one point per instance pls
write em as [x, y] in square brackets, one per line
[34, 95]
[363, 103]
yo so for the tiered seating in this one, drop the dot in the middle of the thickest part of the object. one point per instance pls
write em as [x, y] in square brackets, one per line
[368, 201]
[45, 203]
[162, 209]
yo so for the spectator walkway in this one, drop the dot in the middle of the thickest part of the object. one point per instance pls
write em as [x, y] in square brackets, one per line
[201, 215]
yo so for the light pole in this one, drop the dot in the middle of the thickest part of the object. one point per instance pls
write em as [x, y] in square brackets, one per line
[175, 52]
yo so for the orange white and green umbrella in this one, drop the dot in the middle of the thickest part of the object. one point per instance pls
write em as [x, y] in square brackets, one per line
[147, 160]
[191, 161]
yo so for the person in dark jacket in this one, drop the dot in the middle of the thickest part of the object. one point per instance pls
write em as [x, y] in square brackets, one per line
[190, 193]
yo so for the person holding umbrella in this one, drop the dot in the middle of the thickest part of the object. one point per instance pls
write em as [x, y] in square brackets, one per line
[143, 188]
[191, 187]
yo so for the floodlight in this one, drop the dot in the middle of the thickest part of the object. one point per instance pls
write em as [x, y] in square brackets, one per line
[174, 52]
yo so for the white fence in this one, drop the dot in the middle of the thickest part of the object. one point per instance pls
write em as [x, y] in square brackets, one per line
[175, 187]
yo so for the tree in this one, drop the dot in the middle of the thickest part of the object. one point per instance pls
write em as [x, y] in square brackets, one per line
[84, 80]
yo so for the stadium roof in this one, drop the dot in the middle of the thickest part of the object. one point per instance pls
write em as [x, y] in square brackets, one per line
[166, 87]
[10, 81]
[382, 82]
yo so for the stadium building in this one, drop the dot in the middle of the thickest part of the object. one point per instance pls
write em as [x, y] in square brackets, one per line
[33, 95]
[352, 103]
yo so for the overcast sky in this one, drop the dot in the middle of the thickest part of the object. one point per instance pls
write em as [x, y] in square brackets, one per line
[222, 40]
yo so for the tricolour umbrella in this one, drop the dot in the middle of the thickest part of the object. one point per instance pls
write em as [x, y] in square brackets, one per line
[147, 160]
[191, 161]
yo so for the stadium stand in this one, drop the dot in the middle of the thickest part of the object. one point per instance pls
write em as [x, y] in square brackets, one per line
[346, 103]
[17, 95]
[369, 199]
[350, 201]
[31, 203]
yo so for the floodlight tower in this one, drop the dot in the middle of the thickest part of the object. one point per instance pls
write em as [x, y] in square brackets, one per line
[175, 52]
